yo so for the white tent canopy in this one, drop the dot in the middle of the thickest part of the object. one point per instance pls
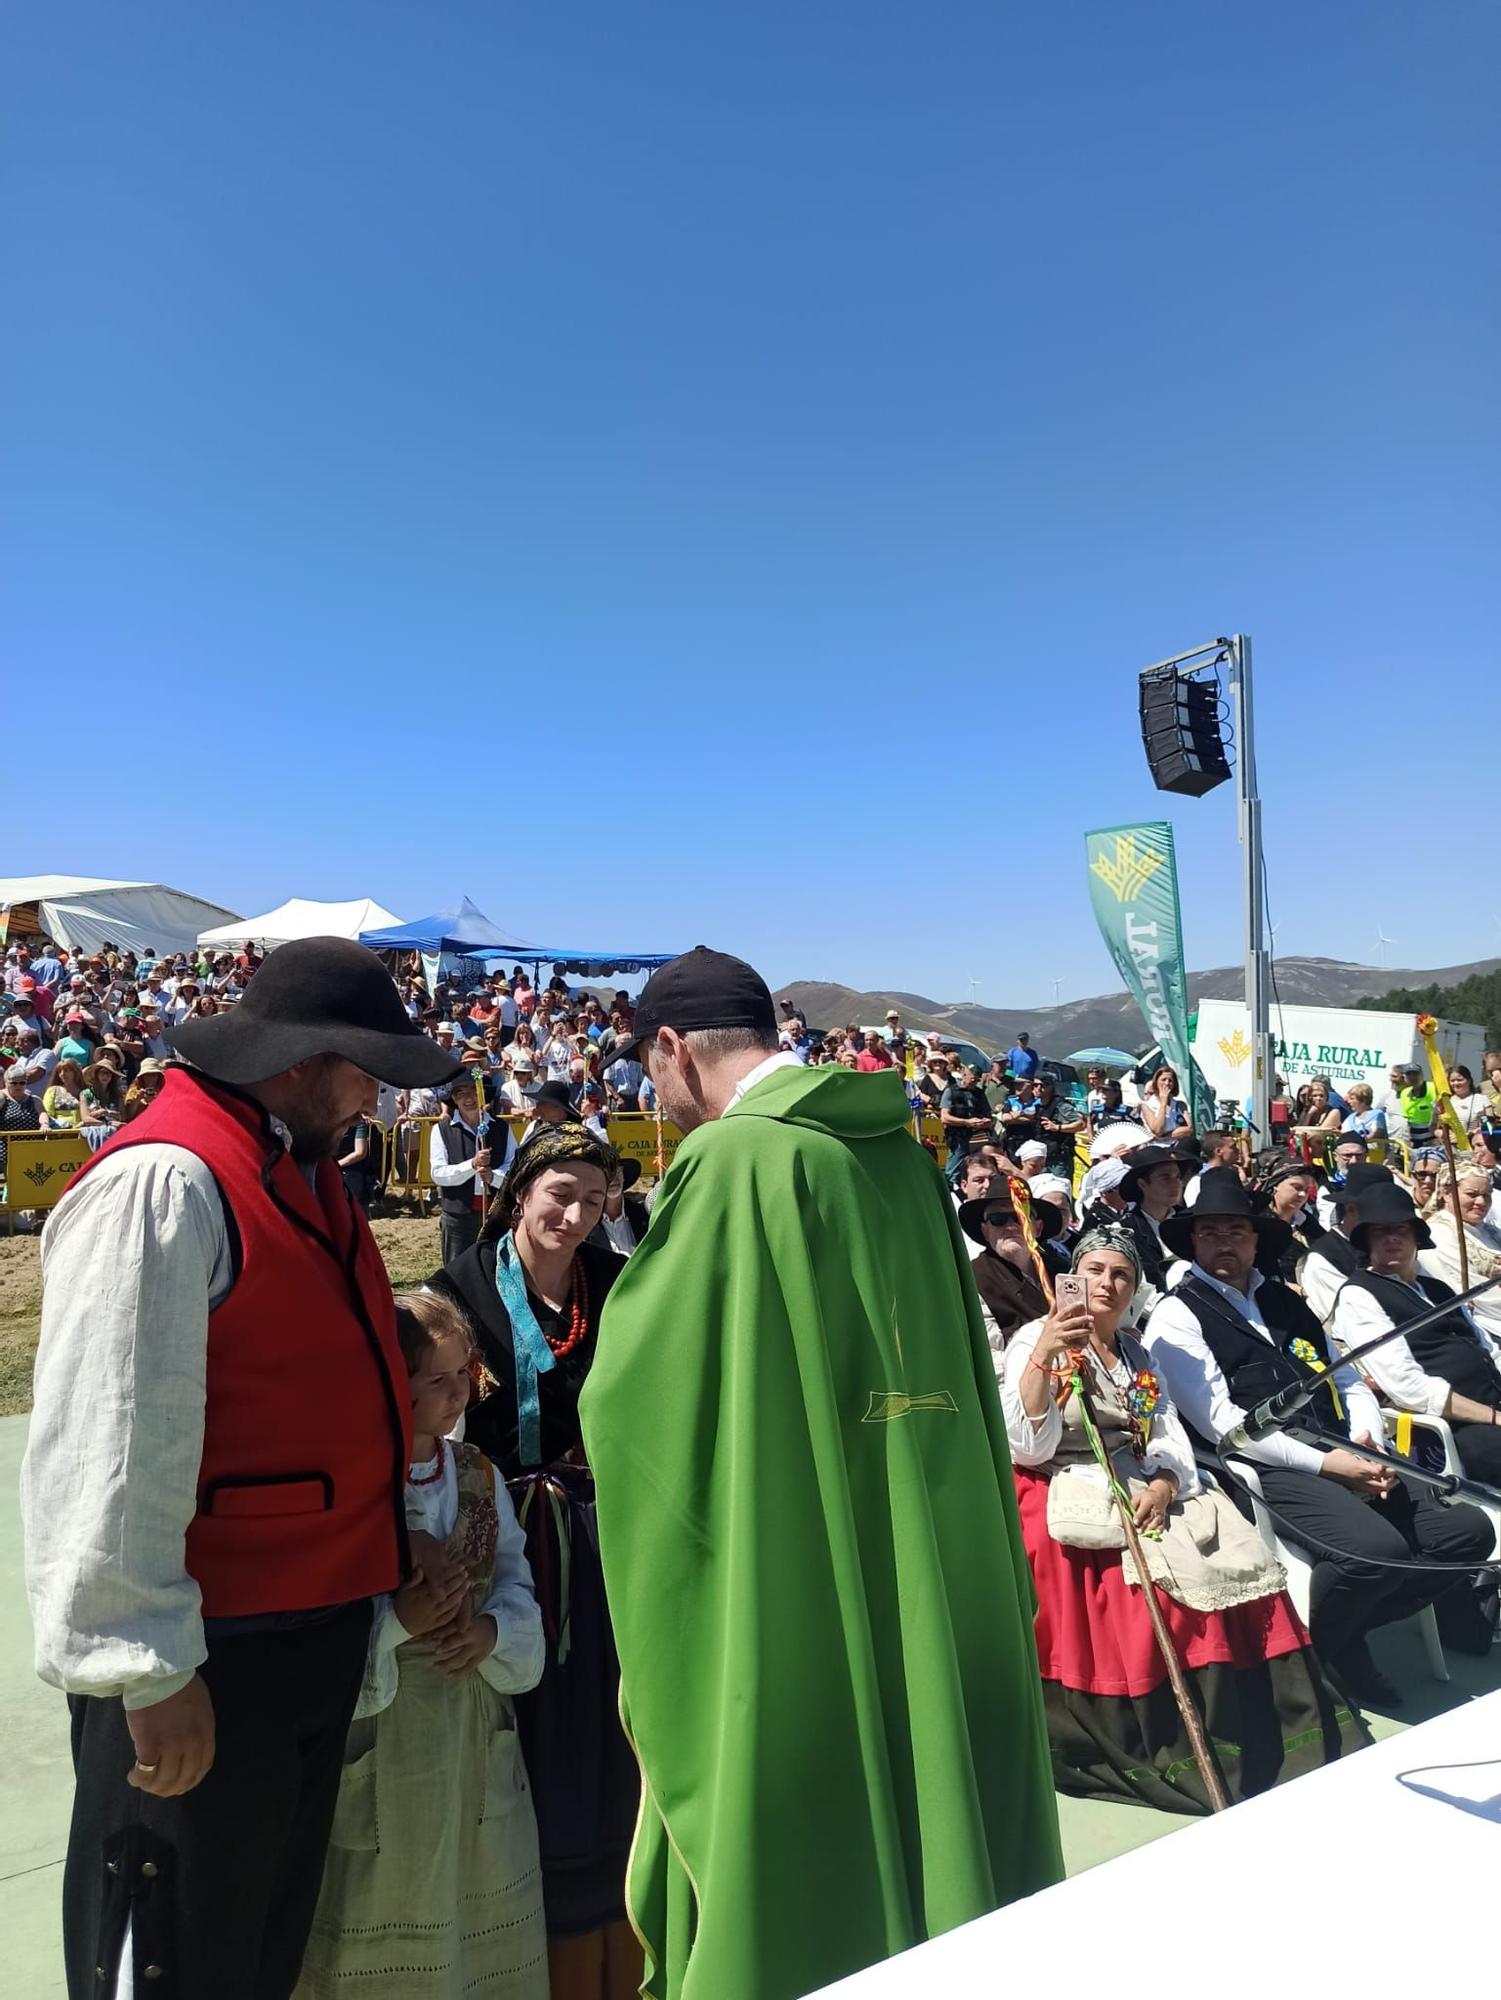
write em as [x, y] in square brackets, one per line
[299, 918]
[84, 912]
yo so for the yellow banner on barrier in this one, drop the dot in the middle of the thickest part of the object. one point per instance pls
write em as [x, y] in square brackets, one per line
[39, 1165]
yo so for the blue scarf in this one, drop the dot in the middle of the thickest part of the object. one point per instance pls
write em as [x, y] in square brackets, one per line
[533, 1355]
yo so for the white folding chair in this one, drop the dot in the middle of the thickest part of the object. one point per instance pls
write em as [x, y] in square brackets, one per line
[1440, 1429]
[1299, 1567]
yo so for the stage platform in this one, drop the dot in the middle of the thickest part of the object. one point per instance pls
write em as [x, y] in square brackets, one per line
[36, 1783]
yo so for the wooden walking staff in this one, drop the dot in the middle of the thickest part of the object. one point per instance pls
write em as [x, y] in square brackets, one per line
[1459, 1221]
[1198, 1742]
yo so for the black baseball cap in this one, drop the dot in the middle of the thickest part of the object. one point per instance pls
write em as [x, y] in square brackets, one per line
[702, 989]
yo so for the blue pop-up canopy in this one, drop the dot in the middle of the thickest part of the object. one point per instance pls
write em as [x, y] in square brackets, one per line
[464, 930]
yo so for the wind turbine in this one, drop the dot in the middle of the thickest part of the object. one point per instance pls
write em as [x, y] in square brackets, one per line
[1382, 941]
[1057, 989]
[974, 987]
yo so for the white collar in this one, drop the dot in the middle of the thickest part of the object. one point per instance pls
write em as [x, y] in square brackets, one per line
[783, 1059]
[1243, 1302]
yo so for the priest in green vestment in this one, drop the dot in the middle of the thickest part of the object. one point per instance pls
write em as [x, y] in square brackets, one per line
[809, 1533]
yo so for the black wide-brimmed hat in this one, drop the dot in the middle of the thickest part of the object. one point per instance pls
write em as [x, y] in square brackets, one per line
[1047, 1219]
[1363, 1176]
[317, 996]
[551, 1093]
[1385, 1202]
[1142, 1159]
[1222, 1192]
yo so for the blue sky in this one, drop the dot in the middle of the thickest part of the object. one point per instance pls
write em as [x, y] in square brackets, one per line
[686, 472]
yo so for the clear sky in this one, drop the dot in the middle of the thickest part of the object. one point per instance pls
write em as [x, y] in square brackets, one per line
[688, 471]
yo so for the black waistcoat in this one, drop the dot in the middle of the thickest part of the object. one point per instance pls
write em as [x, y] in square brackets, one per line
[459, 1143]
[1254, 1367]
[1449, 1349]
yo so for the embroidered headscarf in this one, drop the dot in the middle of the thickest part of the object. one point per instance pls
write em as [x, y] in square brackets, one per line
[549, 1146]
[1109, 1236]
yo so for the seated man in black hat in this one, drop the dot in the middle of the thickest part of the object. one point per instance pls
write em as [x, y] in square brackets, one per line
[1229, 1336]
[1334, 1258]
[1449, 1370]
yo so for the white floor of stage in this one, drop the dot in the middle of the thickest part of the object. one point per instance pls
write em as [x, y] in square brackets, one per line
[1406, 1830]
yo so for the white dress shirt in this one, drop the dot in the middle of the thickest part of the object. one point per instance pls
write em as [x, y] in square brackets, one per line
[455, 1174]
[517, 1660]
[1197, 1384]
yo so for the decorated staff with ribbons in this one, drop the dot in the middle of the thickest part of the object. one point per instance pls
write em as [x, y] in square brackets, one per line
[1230, 1335]
[808, 1526]
[1245, 1659]
[213, 1486]
[531, 1290]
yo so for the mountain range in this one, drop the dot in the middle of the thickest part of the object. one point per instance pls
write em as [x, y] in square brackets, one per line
[1108, 1019]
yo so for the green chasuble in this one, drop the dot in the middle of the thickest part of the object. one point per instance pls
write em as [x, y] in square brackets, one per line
[811, 1550]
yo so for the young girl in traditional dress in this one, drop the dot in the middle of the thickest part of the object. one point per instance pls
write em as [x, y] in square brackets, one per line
[432, 1888]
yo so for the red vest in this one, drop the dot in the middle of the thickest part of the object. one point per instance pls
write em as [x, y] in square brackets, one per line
[307, 1426]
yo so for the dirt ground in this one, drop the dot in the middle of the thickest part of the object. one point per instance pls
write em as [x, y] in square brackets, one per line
[408, 1242]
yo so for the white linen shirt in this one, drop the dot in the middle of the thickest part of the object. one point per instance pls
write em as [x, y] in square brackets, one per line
[134, 1261]
[1321, 1280]
[1196, 1382]
[1035, 1440]
[1395, 1369]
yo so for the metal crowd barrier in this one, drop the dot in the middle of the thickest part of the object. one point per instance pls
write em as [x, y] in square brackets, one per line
[406, 1172]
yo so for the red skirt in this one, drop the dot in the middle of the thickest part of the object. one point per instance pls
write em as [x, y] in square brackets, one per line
[1094, 1632]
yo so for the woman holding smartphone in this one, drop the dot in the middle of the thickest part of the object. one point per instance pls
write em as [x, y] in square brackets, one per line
[1113, 1724]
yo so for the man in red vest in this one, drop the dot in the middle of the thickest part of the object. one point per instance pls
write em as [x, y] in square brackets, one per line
[212, 1491]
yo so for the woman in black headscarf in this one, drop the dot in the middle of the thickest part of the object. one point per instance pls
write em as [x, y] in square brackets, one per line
[532, 1288]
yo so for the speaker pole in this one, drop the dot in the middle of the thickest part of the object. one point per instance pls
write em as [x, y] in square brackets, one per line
[1258, 969]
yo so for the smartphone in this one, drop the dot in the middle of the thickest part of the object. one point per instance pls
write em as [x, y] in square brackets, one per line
[1069, 1292]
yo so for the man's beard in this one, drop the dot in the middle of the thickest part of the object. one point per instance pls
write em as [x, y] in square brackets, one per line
[309, 1147]
[317, 1126]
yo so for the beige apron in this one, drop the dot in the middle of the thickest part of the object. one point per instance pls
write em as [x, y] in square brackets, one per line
[432, 1888]
[1209, 1557]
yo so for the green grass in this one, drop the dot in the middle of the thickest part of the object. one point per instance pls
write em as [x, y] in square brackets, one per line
[18, 1338]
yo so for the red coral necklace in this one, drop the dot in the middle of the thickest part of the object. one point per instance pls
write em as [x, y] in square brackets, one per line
[431, 1478]
[578, 1313]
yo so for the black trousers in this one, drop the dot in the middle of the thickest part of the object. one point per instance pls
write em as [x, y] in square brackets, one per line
[1479, 1448]
[456, 1233]
[1349, 1595]
[218, 1887]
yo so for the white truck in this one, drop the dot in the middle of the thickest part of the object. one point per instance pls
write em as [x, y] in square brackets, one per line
[1346, 1044]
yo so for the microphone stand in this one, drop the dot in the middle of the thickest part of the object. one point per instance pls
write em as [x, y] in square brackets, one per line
[1445, 1485]
[1277, 1411]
